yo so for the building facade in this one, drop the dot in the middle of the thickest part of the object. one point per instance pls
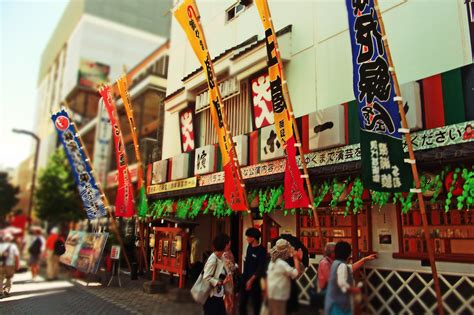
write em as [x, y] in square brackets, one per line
[315, 47]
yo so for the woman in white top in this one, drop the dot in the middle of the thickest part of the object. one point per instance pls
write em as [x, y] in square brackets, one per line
[279, 275]
[216, 275]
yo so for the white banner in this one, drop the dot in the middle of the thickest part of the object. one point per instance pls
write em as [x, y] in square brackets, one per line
[102, 146]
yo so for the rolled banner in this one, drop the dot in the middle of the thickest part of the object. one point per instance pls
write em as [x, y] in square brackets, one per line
[89, 191]
[124, 202]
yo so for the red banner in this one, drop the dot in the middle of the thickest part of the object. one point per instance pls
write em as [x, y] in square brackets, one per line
[294, 193]
[124, 202]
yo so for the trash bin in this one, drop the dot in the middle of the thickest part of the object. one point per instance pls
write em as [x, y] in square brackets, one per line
[134, 273]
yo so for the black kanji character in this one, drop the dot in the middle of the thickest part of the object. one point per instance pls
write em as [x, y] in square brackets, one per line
[272, 141]
[374, 80]
[210, 77]
[359, 5]
[366, 30]
[278, 100]
[215, 103]
[377, 118]
[271, 53]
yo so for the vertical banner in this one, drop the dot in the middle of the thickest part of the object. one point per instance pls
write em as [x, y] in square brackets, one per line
[294, 192]
[123, 90]
[187, 15]
[102, 147]
[124, 202]
[383, 166]
[85, 181]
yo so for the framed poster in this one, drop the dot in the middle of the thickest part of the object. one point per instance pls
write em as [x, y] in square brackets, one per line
[165, 247]
[173, 249]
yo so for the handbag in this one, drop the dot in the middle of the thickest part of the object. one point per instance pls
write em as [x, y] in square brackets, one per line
[201, 288]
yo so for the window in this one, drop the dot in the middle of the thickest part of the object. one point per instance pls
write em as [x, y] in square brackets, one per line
[236, 9]
[238, 112]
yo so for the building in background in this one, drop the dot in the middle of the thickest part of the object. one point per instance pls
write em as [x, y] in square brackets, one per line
[93, 42]
[315, 47]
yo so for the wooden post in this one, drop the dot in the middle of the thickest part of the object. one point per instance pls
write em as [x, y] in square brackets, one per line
[414, 169]
[104, 197]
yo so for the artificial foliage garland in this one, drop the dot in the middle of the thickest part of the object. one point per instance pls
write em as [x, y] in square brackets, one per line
[269, 199]
[379, 198]
[355, 197]
[320, 193]
[449, 195]
[337, 190]
[467, 197]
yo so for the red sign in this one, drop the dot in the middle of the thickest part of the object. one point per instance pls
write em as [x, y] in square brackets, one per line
[294, 193]
[187, 130]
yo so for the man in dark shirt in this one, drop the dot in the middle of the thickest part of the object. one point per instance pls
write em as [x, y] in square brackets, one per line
[253, 265]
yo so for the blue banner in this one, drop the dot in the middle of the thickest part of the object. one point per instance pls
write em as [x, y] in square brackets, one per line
[383, 167]
[86, 184]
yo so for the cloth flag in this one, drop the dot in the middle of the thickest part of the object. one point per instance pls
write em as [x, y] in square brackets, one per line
[89, 191]
[383, 166]
[142, 200]
[187, 15]
[294, 192]
[124, 202]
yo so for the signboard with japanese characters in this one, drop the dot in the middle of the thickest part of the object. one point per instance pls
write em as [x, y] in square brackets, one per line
[81, 169]
[383, 166]
[262, 101]
[443, 136]
[159, 172]
[103, 144]
[326, 128]
[412, 104]
[174, 185]
[270, 146]
[180, 166]
[241, 143]
[204, 160]
[344, 154]
[187, 130]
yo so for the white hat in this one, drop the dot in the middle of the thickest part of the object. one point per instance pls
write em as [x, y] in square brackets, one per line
[8, 237]
[54, 230]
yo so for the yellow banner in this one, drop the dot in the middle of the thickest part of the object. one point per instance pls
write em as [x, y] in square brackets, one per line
[123, 90]
[174, 185]
[187, 15]
[281, 113]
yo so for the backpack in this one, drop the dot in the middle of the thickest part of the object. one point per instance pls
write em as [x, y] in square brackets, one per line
[59, 247]
[35, 247]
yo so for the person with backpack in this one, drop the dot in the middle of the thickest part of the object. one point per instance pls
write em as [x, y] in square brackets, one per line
[54, 248]
[37, 246]
[9, 263]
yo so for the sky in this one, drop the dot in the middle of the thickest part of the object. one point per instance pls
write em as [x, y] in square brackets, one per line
[25, 28]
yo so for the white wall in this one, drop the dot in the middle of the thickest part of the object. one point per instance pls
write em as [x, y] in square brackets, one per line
[425, 37]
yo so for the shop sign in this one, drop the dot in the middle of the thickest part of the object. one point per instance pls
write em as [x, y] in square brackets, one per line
[262, 101]
[326, 128]
[91, 73]
[174, 185]
[443, 136]
[412, 104]
[187, 130]
[160, 172]
[270, 145]
[204, 160]
[180, 166]
[332, 156]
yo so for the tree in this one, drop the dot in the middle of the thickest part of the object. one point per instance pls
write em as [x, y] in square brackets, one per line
[57, 198]
[8, 194]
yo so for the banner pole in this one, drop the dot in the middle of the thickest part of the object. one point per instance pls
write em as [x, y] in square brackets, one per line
[124, 94]
[104, 197]
[414, 168]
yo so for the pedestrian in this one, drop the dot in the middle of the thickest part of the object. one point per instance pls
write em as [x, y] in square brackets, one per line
[254, 265]
[324, 270]
[52, 257]
[216, 275]
[280, 274]
[231, 268]
[9, 263]
[340, 286]
[36, 248]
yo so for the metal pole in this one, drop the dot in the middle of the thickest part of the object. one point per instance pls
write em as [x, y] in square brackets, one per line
[35, 166]
[414, 169]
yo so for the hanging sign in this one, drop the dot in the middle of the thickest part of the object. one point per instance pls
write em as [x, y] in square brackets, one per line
[102, 146]
[383, 166]
[124, 202]
[187, 129]
[262, 101]
[85, 181]
[187, 15]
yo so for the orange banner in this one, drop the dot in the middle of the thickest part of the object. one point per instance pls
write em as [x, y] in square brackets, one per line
[187, 15]
[281, 113]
